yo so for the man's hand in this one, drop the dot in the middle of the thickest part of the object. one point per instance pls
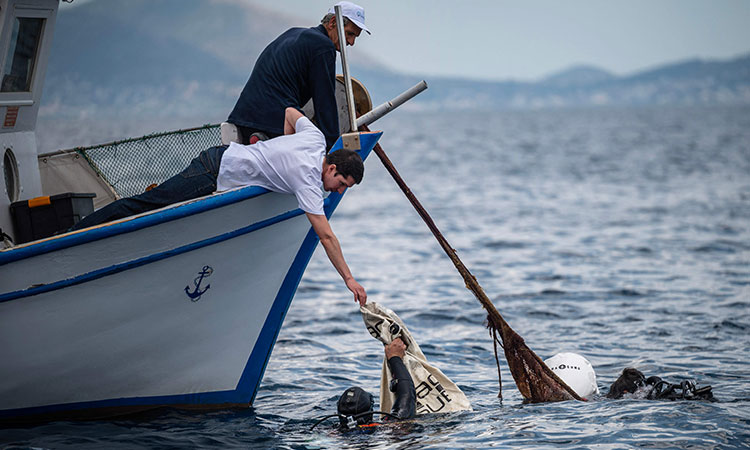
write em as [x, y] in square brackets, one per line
[359, 292]
[333, 250]
[395, 348]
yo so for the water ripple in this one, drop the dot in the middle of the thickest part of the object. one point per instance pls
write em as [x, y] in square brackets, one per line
[619, 234]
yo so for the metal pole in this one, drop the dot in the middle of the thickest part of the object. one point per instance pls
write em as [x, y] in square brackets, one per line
[385, 108]
[345, 65]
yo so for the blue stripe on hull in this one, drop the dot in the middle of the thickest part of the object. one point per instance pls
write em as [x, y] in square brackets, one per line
[103, 272]
[95, 234]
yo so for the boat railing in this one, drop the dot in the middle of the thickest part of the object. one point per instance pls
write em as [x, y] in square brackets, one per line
[130, 166]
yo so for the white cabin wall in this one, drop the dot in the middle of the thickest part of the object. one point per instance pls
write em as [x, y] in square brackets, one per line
[20, 137]
[20, 144]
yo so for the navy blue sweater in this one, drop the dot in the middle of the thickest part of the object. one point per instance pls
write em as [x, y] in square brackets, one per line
[299, 65]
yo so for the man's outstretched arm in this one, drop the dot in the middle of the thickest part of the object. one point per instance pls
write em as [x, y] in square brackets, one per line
[333, 250]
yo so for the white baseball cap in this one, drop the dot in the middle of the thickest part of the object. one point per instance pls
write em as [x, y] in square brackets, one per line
[576, 371]
[353, 12]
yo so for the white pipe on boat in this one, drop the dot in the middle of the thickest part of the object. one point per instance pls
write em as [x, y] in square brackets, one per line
[385, 108]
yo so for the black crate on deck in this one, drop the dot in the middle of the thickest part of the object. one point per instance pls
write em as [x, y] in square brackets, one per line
[46, 218]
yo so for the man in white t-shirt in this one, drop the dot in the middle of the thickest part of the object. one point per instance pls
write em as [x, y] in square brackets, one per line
[295, 163]
[290, 164]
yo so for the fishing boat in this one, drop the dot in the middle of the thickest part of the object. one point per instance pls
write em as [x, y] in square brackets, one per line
[178, 307]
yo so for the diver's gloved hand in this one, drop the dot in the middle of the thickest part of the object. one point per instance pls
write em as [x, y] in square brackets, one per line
[395, 330]
[395, 348]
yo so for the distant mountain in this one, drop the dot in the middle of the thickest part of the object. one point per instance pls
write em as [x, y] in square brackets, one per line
[138, 66]
[578, 76]
[695, 82]
[163, 58]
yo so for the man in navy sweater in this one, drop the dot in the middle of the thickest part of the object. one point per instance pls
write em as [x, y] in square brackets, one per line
[298, 66]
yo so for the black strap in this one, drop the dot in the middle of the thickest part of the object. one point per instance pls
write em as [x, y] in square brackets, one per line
[686, 390]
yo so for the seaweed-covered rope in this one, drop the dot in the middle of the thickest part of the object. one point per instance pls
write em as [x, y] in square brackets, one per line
[535, 381]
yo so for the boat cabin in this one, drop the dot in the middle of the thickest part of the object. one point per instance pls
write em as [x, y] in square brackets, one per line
[26, 30]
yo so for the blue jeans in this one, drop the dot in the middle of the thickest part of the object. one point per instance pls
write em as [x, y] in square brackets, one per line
[197, 180]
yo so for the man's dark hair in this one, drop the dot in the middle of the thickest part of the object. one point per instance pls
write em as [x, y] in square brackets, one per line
[348, 163]
[327, 18]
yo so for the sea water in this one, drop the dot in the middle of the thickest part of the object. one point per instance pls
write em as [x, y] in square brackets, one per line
[619, 234]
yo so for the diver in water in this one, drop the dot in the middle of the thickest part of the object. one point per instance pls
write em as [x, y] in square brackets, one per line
[355, 406]
[632, 381]
[578, 373]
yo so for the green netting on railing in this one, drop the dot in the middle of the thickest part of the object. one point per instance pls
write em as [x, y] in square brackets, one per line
[131, 165]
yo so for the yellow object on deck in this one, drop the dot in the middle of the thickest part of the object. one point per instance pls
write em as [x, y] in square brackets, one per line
[39, 201]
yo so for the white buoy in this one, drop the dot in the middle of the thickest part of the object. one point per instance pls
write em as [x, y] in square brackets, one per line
[576, 371]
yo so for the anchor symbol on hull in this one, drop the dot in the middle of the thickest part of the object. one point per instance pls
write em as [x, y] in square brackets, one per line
[196, 294]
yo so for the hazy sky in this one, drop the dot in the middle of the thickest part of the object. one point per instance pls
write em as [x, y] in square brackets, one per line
[527, 39]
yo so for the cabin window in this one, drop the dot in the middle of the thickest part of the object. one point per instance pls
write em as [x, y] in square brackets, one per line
[22, 53]
[10, 169]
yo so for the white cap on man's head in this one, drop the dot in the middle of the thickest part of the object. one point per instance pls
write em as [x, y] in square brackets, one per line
[576, 371]
[353, 12]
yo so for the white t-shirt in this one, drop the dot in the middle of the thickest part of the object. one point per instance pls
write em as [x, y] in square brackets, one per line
[290, 164]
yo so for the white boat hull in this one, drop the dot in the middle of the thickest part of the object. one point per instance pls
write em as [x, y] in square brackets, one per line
[110, 318]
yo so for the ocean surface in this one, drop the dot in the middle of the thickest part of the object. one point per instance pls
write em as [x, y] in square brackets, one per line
[619, 234]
